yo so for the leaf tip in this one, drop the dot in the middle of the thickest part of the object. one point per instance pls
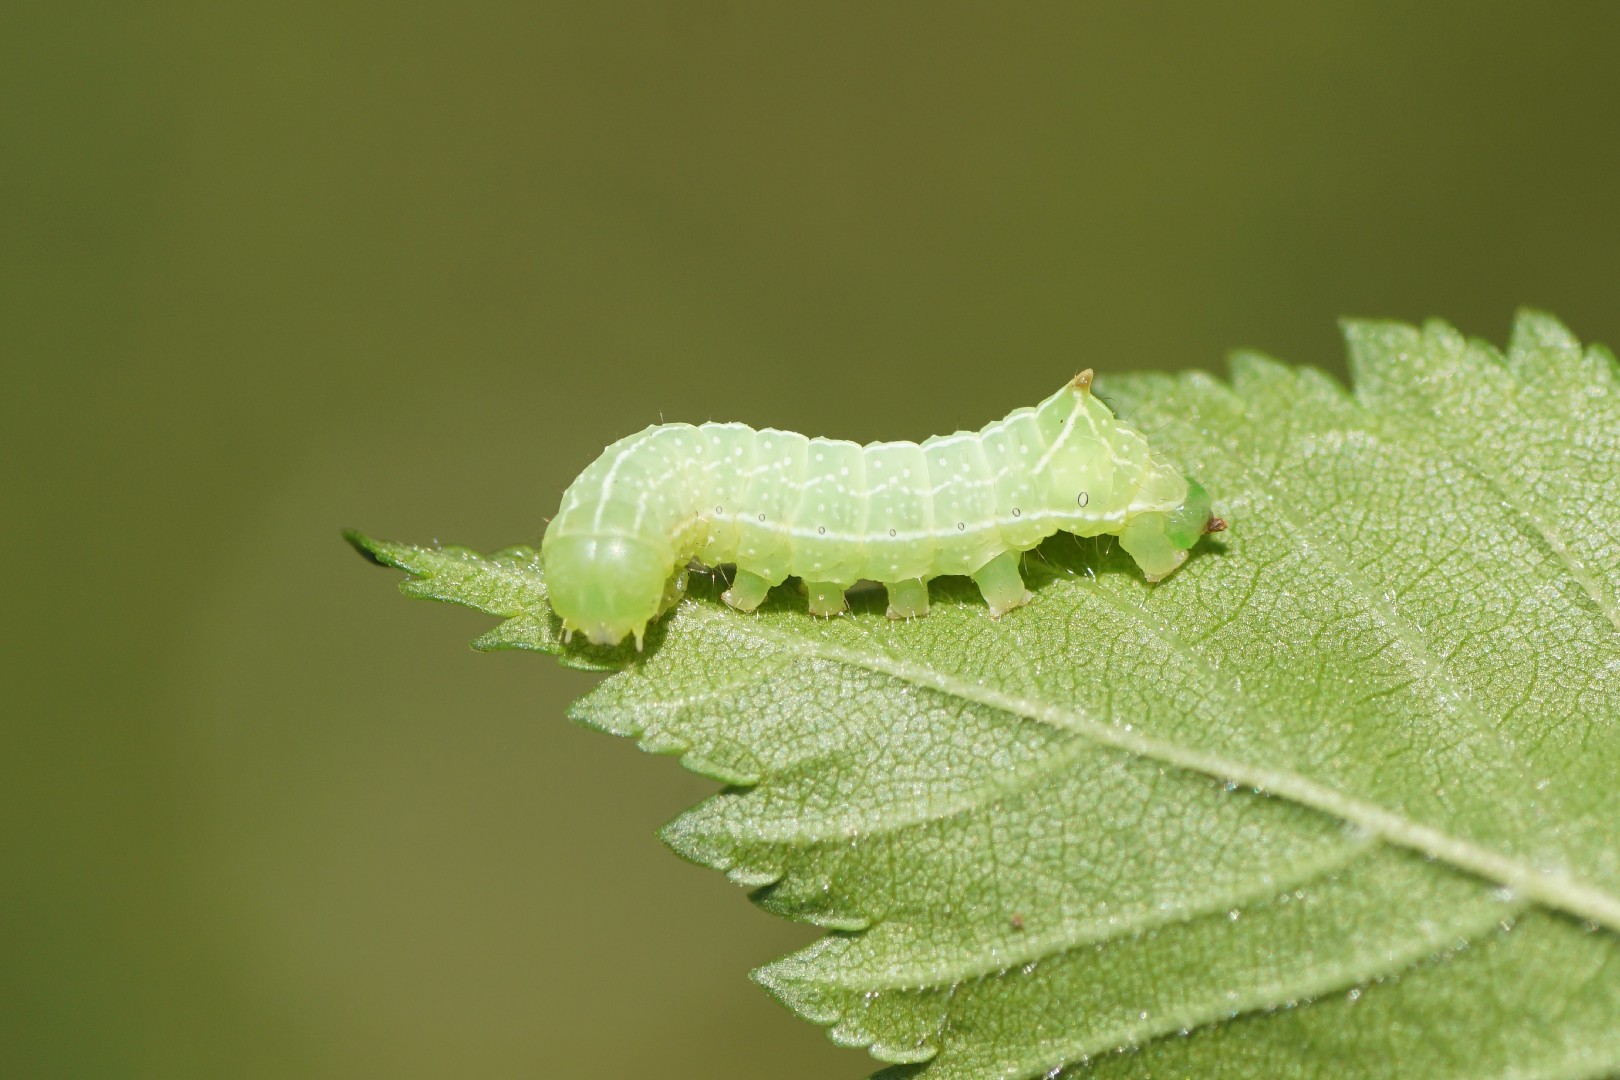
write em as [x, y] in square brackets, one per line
[1251, 369]
[368, 548]
[785, 981]
[1535, 329]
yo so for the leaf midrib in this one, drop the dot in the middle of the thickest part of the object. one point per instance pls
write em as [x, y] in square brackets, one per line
[1556, 890]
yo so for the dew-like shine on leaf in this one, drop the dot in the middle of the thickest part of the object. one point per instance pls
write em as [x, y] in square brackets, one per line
[1337, 799]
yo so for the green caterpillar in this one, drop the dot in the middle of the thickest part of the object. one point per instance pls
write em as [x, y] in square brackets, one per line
[831, 512]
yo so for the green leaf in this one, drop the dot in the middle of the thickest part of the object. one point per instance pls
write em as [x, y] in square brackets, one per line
[508, 583]
[1337, 799]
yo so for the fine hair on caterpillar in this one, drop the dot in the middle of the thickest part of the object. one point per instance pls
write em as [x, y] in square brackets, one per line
[830, 512]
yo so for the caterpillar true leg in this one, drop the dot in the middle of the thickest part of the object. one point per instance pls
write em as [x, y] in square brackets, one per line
[1002, 584]
[747, 591]
[826, 599]
[908, 599]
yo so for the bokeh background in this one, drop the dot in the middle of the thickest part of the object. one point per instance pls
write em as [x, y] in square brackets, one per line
[271, 270]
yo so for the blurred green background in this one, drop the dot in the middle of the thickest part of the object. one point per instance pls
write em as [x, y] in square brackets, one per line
[270, 270]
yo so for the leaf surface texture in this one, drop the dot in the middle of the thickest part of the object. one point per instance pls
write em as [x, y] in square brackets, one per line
[1337, 799]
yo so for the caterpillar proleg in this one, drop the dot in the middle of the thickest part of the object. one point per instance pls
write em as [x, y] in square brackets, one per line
[777, 504]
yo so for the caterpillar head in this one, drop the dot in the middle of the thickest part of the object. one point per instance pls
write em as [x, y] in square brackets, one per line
[1192, 519]
[605, 586]
[1159, 541]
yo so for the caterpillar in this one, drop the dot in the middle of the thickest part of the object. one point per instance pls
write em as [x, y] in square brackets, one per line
[830, 512]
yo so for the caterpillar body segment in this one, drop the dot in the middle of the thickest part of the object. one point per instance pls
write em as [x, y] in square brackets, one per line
[831, 512]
